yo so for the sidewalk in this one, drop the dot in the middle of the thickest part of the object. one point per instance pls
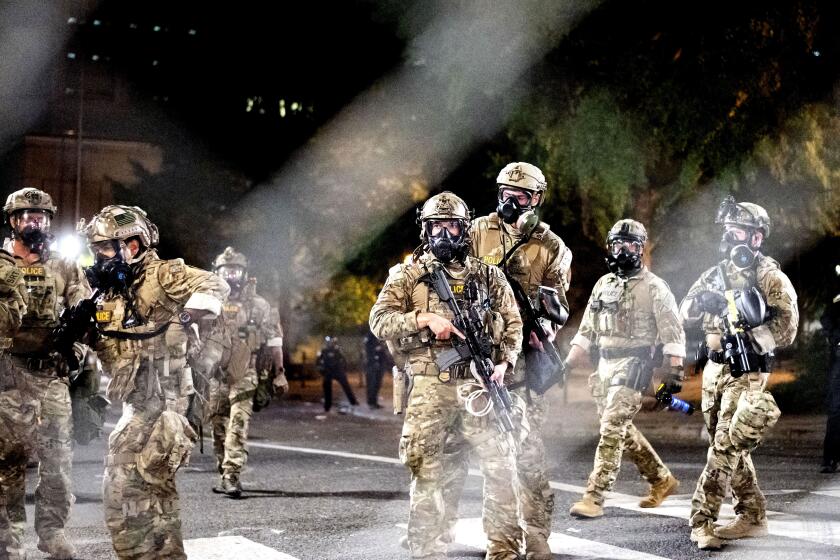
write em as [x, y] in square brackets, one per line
[573, 411]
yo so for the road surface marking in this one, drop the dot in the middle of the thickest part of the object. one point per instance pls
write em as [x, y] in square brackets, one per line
[224, 548]
[812, 529]
[470, 532]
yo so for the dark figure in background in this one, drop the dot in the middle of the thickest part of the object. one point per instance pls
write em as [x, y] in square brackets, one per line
[377, 362]
[830, 321]
[333, 366]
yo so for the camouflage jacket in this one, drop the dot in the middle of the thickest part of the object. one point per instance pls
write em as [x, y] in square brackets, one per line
[252, 319]
[633, 312]
[394, 315]
[543, 261]
[774, 285]
[12, 299]
[50, 287]
[162, 289]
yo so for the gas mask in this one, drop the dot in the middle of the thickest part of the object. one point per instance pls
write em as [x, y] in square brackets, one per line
[621, 260]
[740, 253]
[36, 240]
[509, 210]
[234, 276]
[445, 246]
[32, 228]
[110, 273]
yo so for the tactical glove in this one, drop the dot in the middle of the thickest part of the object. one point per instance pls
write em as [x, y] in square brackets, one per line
[673, 380]
[711, 302]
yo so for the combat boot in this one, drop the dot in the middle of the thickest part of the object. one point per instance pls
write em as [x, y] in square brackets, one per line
[536, 547]
[704, 536]
[587, 507]
[56, 545]
[660, 491]
[231, 486]
[740, 528]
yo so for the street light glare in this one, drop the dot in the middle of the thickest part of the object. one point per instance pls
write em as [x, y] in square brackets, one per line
[69, 246]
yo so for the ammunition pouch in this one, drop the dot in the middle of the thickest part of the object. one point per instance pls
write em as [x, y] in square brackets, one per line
[167, 449]
[422, 339]
[756, 413]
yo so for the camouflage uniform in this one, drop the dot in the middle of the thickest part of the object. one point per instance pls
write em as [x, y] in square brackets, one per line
[626, 317]
[18, 409]
[543, 261]
[50, 287]
[434, 408]
[250, 323]
[726, 465]
[150, 441]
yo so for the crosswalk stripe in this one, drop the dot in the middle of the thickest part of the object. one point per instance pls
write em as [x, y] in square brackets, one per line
[470, 532]
[234, 546]
[780, 524]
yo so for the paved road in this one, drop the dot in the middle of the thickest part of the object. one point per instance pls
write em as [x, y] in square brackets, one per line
[332, 488]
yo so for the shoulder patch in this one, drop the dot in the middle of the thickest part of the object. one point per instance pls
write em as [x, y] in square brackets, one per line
[175, 266]
[13, 276]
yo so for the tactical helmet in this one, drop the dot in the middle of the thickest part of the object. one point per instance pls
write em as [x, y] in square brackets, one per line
[743, 214]
[230, 258]
[120, 222]
[28, 199]
[444, 206]
[445, 245]
[522, 175]
[627, 229]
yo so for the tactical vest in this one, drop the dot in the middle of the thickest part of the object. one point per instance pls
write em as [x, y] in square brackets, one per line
[490, 243]
[240, 321]
[623, 311]
[44, 302]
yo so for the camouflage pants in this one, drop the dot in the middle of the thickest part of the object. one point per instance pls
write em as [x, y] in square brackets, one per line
[143, 518]
[535, 494]
[232, 413]
[617, 406]
[18, 418]
[434, 411]
[54, 451]
[725, 466]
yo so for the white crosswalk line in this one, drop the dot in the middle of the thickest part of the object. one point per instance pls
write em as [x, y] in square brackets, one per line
[470, 532]
[224, 548]
[780, 524]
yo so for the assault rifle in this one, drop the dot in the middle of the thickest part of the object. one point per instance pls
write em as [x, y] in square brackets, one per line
[744, 310]
[473, 347]
[73, 324]
[541, 373]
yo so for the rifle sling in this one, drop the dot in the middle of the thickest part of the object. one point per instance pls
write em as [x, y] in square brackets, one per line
[120, 335]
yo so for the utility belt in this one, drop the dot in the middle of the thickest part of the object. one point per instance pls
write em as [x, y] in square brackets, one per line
[640, 370]
[116, 459]
[422, 339]
[38, 364]
[760, 362]
[460, 370]
[640, 352]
